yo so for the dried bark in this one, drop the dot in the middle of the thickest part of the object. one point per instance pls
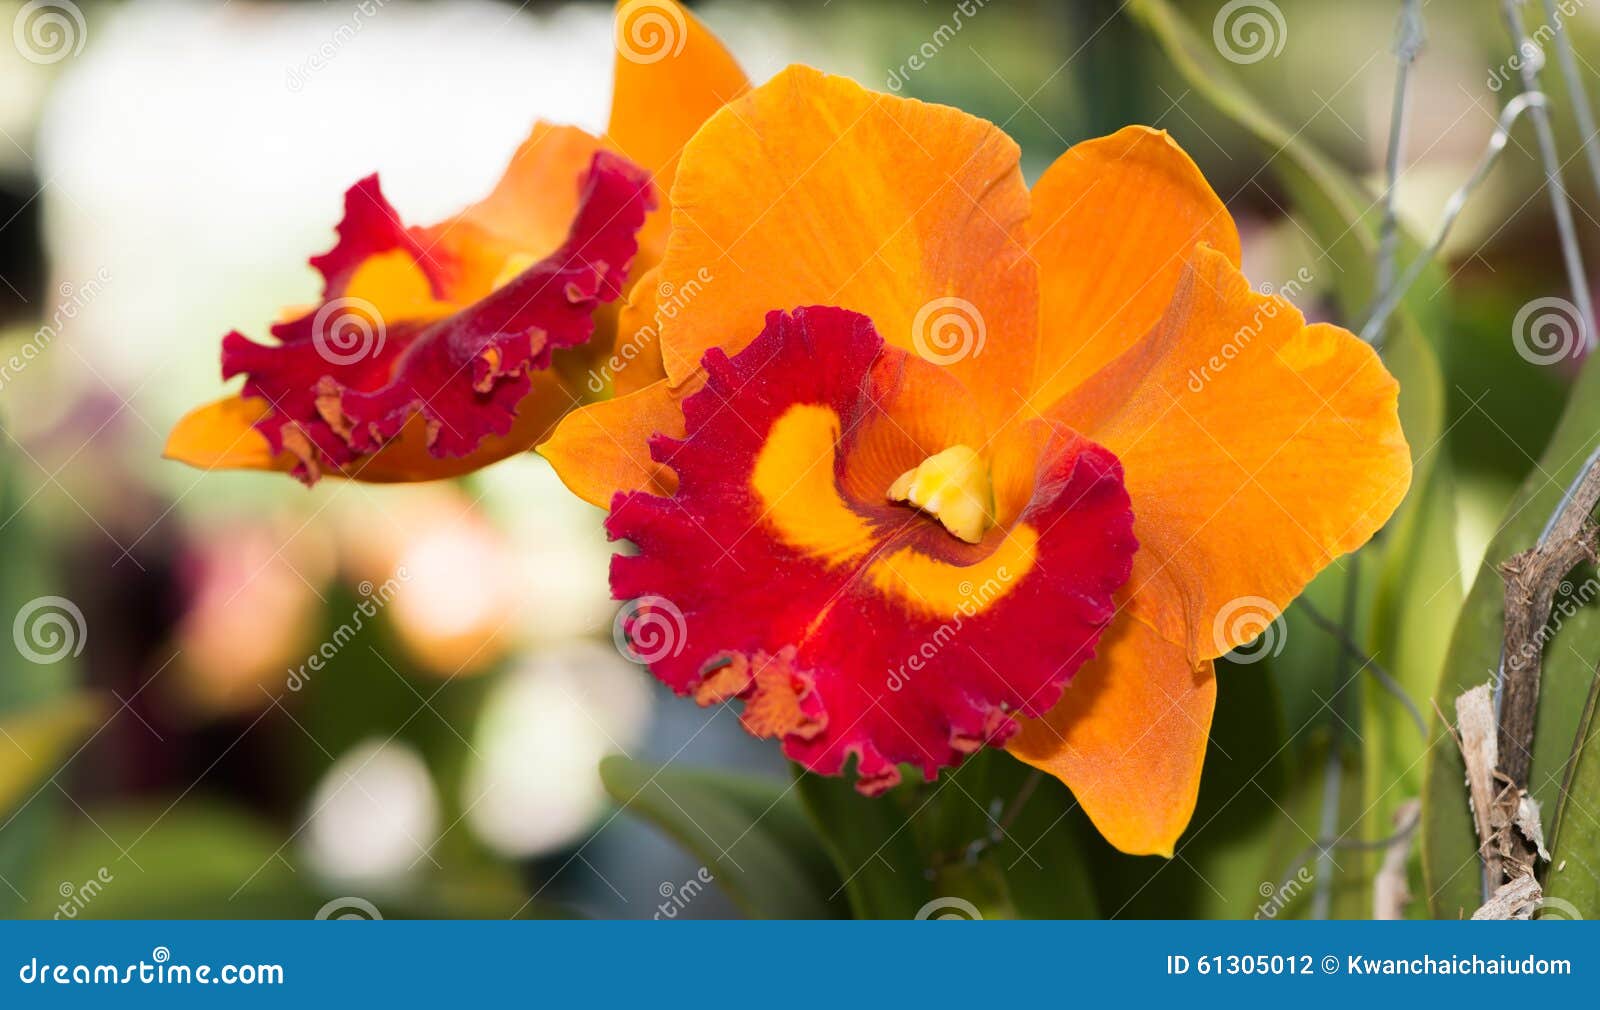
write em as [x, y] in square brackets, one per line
[1532, 579]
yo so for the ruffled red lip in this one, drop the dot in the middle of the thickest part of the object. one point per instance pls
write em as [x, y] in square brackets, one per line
[848, 624]
[342, 379]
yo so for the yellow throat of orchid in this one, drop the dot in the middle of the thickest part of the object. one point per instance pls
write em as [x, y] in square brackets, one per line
[954, 487]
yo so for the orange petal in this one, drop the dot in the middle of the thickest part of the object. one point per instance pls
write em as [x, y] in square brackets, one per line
[1128, 738]
[523, 220]
[1114, 220]
[603, 448]
[671, 74]
[635, 360]
[1256, 448]
[220, 436]
[406, 457]
[811, 190]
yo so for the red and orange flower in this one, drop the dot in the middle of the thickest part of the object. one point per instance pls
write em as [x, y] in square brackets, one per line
[937, 463]
[437, 350]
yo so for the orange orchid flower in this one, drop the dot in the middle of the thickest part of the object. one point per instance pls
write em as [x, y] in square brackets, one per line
[937, 462]
[438, 350]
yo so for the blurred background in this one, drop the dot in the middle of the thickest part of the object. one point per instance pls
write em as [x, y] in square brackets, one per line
[168, 746]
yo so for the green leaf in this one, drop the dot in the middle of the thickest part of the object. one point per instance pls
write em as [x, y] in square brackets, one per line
[157, 861]
[1450, 861]
[872, 844]
[1034, 850]
[751, 834]
[35, 741]
[1575, 834]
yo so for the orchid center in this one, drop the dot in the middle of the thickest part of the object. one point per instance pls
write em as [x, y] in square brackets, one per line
[954, 487]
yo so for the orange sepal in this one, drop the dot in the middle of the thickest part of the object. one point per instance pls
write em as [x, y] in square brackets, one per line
[1114, 220]
[671, 74]
[1128, 737]
[1257, 449]
[603, 448]
[220, 436]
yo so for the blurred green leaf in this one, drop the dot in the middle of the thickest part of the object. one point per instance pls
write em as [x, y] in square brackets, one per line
[195, 860]
[1029, 845]
[1574, 832]
[751, 834]
[872, 844]
[36, 740]
[1450, 861]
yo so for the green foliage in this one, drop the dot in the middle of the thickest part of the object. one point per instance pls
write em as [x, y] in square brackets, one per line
[750, 834]
[992, 832]
[1571, 651]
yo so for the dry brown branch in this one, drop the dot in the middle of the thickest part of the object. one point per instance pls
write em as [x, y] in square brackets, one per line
[1532, 579]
